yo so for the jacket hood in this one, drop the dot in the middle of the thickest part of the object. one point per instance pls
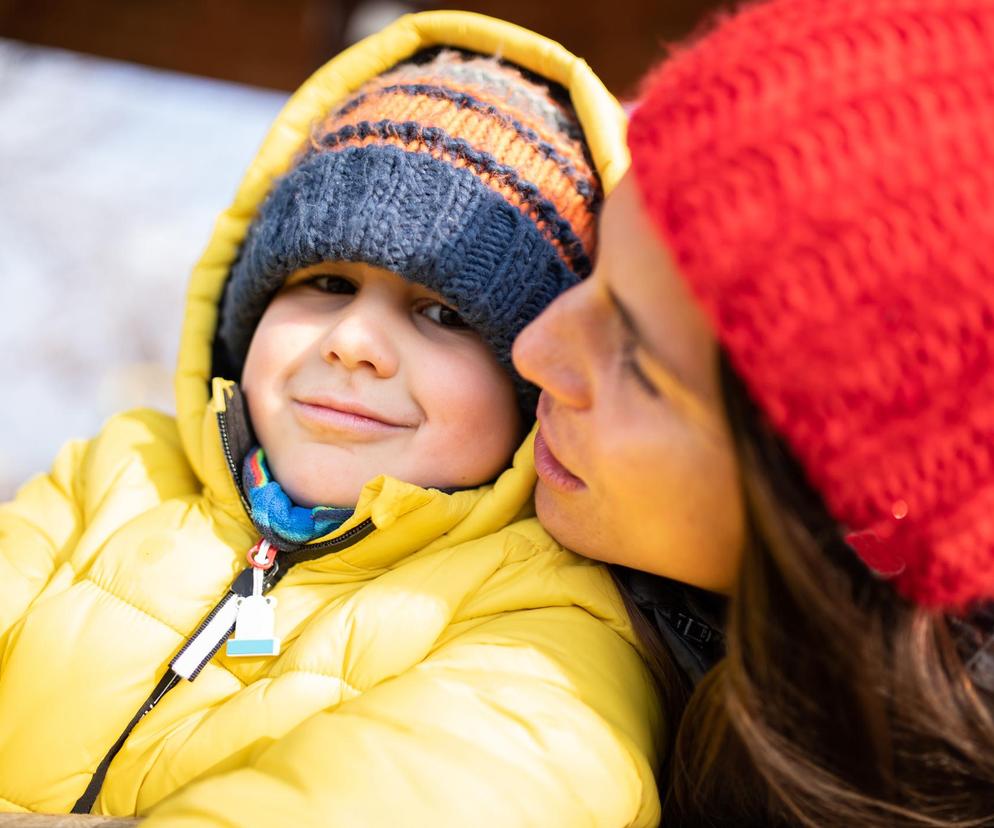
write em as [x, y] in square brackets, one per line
[603, 122]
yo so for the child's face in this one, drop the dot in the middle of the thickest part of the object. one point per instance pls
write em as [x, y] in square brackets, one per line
[354, 372]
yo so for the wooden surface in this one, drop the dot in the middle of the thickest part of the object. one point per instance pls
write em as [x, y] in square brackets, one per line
[278, 45]
[62, 821]
[620, 39]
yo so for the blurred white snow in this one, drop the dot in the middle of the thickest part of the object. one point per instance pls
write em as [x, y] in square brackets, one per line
[111, 176]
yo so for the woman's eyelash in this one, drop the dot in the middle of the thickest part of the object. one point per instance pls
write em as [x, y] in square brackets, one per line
[631, 364]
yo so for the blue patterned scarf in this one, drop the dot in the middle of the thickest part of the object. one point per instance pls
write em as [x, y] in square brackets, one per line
[278, 519]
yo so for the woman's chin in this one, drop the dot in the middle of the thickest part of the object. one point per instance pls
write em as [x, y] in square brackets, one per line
[563, 517]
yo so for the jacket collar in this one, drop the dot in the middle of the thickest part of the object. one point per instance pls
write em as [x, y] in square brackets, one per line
[689, 620]
[417, 516]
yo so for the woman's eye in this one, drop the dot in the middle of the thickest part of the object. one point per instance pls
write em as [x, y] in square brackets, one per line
[332, 284]
[442, 315]
[631, 364]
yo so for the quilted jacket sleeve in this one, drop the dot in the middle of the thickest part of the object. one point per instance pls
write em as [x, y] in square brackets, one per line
[540, 718]
[38, 530]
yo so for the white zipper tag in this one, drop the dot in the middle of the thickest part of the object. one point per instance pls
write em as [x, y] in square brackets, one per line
[255, 622]
[199, 649]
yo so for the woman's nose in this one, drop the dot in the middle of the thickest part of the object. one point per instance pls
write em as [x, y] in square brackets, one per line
[550, 352]
[359, 338]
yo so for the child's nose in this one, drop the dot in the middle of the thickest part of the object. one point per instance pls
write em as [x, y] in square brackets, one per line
[358, 339]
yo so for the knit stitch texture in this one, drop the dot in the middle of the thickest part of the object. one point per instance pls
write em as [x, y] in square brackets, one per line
[823, 172]
[457, 173]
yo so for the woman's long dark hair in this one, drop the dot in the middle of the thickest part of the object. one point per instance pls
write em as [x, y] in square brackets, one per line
[838, 703]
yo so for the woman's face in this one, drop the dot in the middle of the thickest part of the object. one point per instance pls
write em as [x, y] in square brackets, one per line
[634, 455]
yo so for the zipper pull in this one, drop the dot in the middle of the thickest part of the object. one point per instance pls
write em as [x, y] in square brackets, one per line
[221, 621]
[255, 621]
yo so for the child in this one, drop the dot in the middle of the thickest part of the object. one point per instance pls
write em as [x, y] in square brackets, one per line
[408, 645]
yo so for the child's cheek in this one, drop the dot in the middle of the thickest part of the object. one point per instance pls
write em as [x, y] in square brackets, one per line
[473, 402]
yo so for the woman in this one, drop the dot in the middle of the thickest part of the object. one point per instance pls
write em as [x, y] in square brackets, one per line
[778, 384]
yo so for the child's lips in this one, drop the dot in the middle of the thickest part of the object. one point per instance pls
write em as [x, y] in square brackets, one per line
[345, 417]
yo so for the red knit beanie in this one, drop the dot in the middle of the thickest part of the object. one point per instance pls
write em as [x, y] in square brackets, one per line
[823, 172]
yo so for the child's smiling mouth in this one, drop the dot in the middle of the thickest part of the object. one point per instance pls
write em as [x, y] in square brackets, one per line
[343, 416]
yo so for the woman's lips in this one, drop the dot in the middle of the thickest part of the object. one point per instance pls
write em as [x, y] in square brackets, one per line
[550, 471]
[344, 418]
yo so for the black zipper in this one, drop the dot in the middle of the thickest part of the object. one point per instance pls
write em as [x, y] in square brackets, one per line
[85, 803]
[242, 585]
[235, 474]
[294, 556]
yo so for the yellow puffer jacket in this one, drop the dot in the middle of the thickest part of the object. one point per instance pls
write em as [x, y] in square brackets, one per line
[452, 666]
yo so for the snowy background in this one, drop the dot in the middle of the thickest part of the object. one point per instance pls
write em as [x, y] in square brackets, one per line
[111, 176]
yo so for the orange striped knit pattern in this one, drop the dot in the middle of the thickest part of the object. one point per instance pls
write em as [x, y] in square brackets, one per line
[478, 114]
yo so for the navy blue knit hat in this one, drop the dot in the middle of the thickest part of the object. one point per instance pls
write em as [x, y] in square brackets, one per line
[457, 173]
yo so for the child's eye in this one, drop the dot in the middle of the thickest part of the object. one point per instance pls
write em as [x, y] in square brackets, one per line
[442, 315]
[332, 284]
